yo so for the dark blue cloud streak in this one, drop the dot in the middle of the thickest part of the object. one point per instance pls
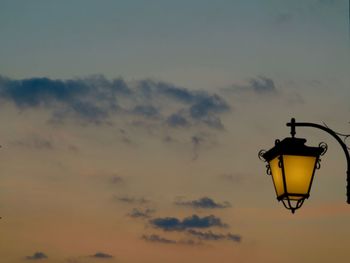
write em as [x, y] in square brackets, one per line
[101, 255]
[37, 256]
[214, 236]
[204, 203]
[96, 99]
[194, 221]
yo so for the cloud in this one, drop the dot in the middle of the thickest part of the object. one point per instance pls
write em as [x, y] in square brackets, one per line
[259, 85]
[207, 105]
[158, 239]
[189, 242]
[263, 85]
[234, 237]
[180, 94]
[101, 255]
[131, 200]
[204, 202]
[197, 142]
[177, 120]
[37, 256]
[97, 100]
[40, 91]
[34, 142]
[124, 137]
[146, 110]
[139, 213]
[116, 179]
[81, 98]
[194, 221]
[214, 236]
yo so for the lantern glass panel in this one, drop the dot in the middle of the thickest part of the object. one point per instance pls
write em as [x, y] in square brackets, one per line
[277, 177]
[298, 171]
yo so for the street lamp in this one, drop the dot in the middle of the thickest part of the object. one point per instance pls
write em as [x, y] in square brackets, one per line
[292, 165]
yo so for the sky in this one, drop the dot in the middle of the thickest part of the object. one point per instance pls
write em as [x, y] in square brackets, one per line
[131, 129]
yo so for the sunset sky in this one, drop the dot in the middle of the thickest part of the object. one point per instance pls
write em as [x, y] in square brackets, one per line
[130, 130]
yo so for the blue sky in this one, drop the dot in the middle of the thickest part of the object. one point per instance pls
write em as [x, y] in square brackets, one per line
[171, 40]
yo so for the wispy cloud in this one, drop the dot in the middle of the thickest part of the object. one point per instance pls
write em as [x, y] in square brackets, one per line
[131, 200]
[259, 85]
[177, 120]
[37, 256]
[146, 111]
[194, 221]
[116, 179]
[196, 142]
[204, 203]
[101, 255]
[214, 236]
[141, 213]
[97, 100]
[34, 142]
[158, 239]
[263, 85]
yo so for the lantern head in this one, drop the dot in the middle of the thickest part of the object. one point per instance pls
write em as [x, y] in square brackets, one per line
[292, 165]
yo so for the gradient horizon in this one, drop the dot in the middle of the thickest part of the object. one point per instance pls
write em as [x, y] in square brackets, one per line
[130, 129]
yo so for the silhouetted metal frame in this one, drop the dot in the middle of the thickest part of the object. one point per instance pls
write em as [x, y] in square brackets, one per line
[293, 124]
[295, 147]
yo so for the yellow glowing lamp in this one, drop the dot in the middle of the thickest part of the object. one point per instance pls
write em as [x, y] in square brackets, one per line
[292, 165]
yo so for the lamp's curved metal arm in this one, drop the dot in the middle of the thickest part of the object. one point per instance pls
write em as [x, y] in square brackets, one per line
[336, 136]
